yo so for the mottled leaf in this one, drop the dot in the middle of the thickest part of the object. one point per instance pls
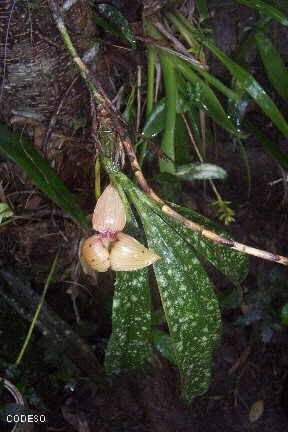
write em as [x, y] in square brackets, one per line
[200, 171]
[129, 343]
[111, 19]
[163, 343]
[5, 212]
[233, 264]
[188, 299]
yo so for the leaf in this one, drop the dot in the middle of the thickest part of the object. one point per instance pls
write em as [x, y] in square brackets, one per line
[273, 64]
[167, 142]
[232, 264]
[266, 9]
[37, 169]
[200, 171]
[252, 87]
[256, 411]
[247, 81]
[284, 315]
[202, 9]
[129, 343]
[188, 299]
[156, 121]
[270, 146]
[162, 342]
[201, 95]
[5, 212]
[113, 20]
[182, 142]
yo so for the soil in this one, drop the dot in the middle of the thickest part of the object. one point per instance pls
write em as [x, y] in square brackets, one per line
[245, 369]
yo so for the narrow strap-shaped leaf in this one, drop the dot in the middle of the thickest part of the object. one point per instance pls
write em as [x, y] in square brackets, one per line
[156, 121]
[204, 97]
[247, 81]
[270, 146]
[167, 143]
[37, 169]
[189, 302]
[273, 64]
[266, 9]
[202, 9]
[129, 343]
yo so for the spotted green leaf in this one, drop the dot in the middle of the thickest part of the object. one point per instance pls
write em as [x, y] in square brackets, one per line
[232, 264]
[162, 342]
[200, 171]
[189, 302]
[111, 19]
[5, 212]
[129, 343]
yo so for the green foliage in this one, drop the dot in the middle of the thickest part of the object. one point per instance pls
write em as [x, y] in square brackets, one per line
[200, 171]
[112, 20]
[21, 151]
[6, 213]
[190, 305]
[129, 344]
[163, 343]
[202, 9]
[267, 9]
[273, 64]
[267, 305]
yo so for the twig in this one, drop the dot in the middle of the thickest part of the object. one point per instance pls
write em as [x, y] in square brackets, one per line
[102, 102]
[37, 312]
[192, 225]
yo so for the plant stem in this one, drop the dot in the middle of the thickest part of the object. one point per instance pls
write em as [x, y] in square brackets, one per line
[37, 311]
[192, 225]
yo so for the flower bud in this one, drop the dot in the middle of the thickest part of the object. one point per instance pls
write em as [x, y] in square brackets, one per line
[109, 214]
[94, 254]
[128, 254]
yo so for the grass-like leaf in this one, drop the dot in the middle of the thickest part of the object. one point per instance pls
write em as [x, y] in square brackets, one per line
[202, 9]
[270, 146]
[266, 9]
[273, 64]
[167, 143]
[247, 81]
[21, 151]
[201, 95]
